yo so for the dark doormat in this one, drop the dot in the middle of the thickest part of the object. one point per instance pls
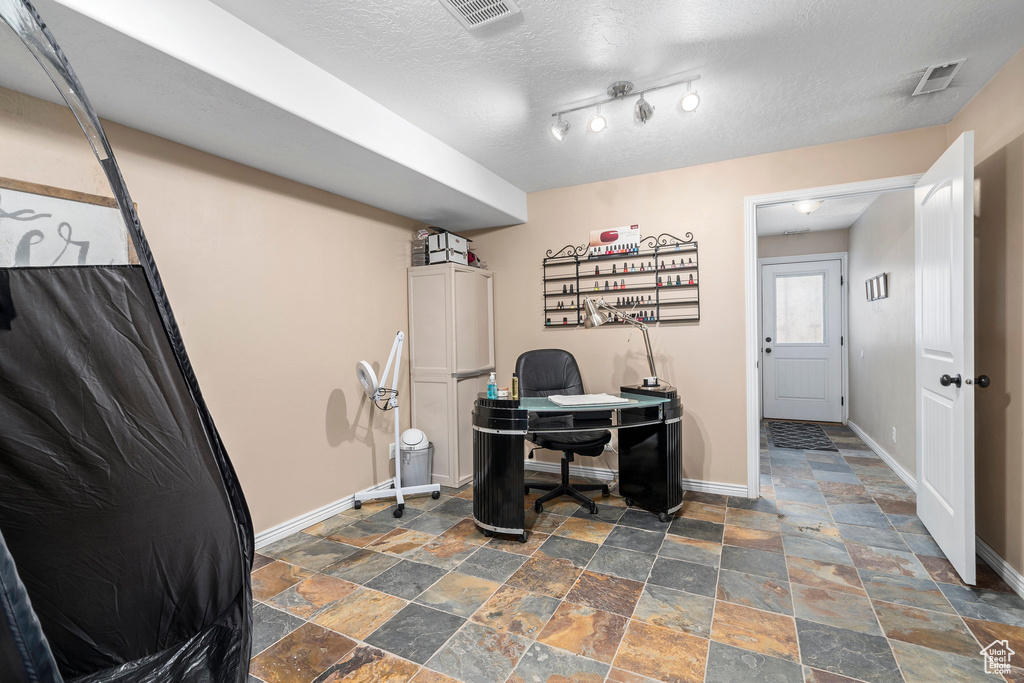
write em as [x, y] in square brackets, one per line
[802, 435]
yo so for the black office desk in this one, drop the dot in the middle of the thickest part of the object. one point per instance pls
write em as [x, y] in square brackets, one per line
[650, 452]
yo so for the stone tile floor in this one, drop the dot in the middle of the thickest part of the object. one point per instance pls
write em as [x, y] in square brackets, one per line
[828, 577]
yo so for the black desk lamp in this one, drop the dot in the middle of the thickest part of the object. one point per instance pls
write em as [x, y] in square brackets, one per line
[595, 318]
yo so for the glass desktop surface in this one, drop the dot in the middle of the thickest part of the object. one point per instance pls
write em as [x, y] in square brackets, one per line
[540, 404]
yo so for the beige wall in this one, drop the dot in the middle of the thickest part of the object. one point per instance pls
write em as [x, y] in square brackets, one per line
[706, 360]
[882, 381]
[278, 288]
[817, 242]
[996, 115]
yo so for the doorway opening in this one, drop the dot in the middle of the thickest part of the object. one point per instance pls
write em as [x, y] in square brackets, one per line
[807, 294]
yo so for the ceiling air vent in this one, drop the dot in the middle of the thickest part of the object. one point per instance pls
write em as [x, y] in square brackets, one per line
[938, 77]
[473, 14]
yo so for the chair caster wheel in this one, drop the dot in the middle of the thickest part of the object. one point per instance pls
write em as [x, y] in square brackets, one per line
[605, 492]
[662, 516]
[399, 510]
[628, 502]
[521, 538]
[488, 533]
[357, 504]
[538, 508]
[593, 508]
[435, 495]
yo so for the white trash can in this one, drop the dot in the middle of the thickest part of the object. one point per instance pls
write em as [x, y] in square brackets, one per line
[417, 458]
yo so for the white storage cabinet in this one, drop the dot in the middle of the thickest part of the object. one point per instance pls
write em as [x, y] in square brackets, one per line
[451, 355]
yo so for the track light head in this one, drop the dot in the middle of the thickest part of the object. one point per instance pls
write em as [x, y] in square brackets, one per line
[643, 111]
[597, 123]
[690, 102]
[559, 128]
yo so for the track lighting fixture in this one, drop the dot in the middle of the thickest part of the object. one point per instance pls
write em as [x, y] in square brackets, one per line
[560, 128]
[642, 110]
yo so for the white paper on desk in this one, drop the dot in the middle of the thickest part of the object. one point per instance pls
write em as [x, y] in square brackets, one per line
[586, 400]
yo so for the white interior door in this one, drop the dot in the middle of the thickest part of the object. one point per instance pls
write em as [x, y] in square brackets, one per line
[801, 345]
[944, 278]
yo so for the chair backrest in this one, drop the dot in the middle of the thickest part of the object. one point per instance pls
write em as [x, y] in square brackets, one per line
[545, 372]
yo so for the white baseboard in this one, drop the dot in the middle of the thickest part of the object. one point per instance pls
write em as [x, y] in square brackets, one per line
[722, 489]
[299, 523]
[908, 479]
[605, 474]
[982, 549]
[1000, 566]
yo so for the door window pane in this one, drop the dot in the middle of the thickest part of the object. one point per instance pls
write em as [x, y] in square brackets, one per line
[800, 309]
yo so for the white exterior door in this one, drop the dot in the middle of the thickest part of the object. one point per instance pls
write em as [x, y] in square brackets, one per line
[944, 391]
[801, 344]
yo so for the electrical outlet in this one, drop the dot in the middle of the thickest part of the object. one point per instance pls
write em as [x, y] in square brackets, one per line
[894, 435]
[391, 451]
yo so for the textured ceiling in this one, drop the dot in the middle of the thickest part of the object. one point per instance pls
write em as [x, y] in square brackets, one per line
[774, 75]
[833, 214]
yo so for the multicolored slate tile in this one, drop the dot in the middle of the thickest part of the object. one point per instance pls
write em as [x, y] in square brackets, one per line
[728, 664]
[548, 577]
[549, 665]
[828, 575]
[835, 608]
[312, 596]
[755, 591]
[458, 593]
[662, 654]
[369, 665]
[275, 577]
[604, 592]
[516, 611]
[360, 613]
[416, 632]
[302, 655]
[676, 610]
[478, 653]
[691, 550]
[769, 634]
[585, 631]
[847, 653]
[929, 629]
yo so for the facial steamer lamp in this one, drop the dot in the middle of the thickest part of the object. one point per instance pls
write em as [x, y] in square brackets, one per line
[376, 393]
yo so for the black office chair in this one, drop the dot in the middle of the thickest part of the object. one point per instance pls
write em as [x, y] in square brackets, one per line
[546, 372]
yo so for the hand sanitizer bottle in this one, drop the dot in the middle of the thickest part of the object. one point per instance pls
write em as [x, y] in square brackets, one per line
[492, 387]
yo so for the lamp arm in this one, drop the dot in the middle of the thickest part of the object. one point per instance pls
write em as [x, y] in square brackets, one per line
[396, 358]
[631, 319]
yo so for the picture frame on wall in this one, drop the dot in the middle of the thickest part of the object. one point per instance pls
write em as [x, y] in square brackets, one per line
[47, 226]
[877, 287]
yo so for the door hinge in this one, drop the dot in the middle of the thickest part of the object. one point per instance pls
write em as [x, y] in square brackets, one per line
[842, 400]
[841, 280]
[841, 341]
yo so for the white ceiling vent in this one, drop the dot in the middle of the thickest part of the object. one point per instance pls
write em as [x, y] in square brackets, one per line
[473, 14]
[938, 77]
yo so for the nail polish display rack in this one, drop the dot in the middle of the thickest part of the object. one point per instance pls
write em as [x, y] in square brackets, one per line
[658, 280]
